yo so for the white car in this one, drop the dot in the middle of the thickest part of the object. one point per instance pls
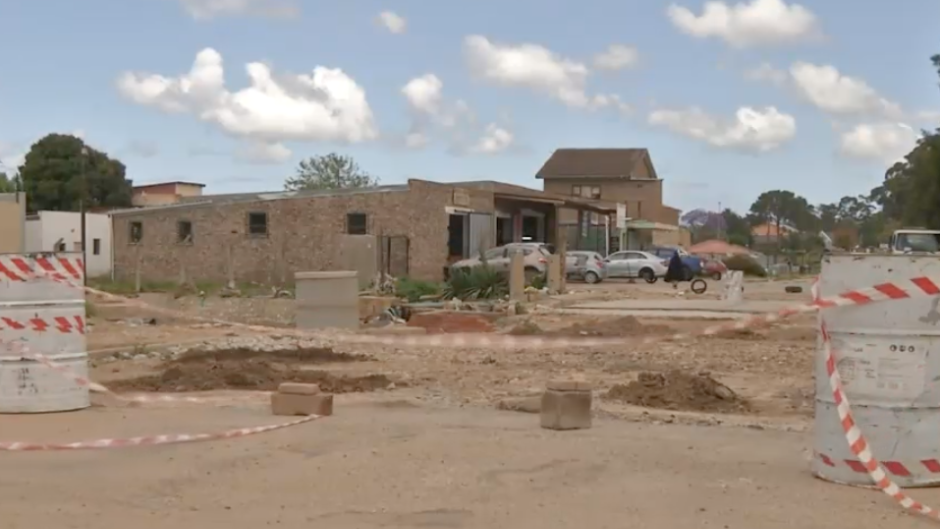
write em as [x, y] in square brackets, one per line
[630, 264]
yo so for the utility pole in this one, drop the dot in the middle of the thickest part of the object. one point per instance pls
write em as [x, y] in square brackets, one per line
[81, 206]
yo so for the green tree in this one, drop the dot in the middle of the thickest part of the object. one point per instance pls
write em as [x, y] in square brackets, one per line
[330, 171]
[7, 184]
[60, 172]
[738, 229]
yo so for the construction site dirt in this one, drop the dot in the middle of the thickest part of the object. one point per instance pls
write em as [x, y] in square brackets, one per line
[707, 432]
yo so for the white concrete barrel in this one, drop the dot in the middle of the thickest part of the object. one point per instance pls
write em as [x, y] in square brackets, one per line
[47, 317]
[326, 300]
[888, 355]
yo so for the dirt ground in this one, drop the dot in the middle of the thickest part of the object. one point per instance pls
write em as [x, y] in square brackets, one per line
[419, 440]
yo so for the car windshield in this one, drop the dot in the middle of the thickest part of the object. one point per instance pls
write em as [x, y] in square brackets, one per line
[918, 242]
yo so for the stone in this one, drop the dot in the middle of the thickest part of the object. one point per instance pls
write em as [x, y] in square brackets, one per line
[566, 409]
[298, 388]
[521, 404]
[291, 405]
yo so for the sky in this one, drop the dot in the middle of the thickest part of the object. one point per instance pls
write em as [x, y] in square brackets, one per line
[731, 99]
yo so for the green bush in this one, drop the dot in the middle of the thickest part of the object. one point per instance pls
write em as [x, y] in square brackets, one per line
[746, 264]
[414, 289]
[478, 282]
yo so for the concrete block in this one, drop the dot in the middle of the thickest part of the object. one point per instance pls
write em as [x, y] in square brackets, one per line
[566, 409]
[298, 388]
[290, 405]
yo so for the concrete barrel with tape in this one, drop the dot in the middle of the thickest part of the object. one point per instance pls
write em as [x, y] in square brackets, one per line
[42, 309]
[327, 300]
[888, 357]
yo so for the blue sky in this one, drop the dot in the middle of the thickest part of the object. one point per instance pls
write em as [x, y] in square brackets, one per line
[848, 83]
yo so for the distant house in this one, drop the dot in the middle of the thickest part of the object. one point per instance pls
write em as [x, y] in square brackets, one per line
[625, 176]
[767, 233]
[61, 231]
[13, 220]
[164, 193]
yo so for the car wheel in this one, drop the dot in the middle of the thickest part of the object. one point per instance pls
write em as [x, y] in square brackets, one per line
[648, 275]
[716, 276]
[591, 277]
[687, 273]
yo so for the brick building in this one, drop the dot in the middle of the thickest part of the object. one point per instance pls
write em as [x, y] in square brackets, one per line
[625, 176]
[415, 229]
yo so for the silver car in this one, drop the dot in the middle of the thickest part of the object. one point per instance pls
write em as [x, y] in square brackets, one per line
[631, 264]
[586, 266]
[535, 257]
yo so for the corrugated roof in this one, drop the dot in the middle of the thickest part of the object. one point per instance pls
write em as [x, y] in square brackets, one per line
[589, 163]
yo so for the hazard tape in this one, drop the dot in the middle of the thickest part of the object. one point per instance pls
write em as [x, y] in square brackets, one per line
[853, 435]
[17, 268]
[60, 324]
[152, 440]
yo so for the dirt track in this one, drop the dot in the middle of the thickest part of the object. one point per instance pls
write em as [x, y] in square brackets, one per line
[399, 466]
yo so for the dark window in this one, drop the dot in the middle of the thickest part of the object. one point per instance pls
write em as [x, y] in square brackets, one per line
[575, 191]
[258, 223]
[356, 224]
[96, 246]
[595, 193]
[60, 247]
[184, 232]
[137, 231]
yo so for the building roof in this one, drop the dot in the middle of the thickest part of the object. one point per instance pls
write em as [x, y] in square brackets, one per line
[512, 191]
[591, 163]
[157, 184]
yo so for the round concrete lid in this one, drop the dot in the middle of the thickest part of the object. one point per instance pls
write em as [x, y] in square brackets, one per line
[338, 274]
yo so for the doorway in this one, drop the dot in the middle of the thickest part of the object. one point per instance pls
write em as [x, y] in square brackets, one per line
[456, 237]
[532, 229]
[503, 230]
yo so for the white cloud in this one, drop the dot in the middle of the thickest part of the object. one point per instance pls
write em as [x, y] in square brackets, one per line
[495, 139]
[766, 72]
[829, 90]
[264, 153]
[532, 67]
[424, 94]
[760, 22]
[208, 9]
[617, 57]
[326, 105]
[394, 23]
[884, 142]
[751, 129]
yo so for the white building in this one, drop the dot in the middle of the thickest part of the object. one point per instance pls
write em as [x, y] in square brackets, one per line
[60, 231]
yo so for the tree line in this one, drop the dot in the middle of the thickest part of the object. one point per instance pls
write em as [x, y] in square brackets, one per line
[909, 196]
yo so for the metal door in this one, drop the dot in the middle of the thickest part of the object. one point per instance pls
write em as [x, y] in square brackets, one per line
[480, 234]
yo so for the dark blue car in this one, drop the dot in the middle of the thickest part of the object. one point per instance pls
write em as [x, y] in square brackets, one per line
[691, 265]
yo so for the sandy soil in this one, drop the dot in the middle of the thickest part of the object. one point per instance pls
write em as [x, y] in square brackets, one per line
[418, 440]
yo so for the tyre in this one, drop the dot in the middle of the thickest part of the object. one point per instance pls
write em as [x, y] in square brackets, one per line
[687, 274]
[699, 286]
[591, 277]
[716, 276]
[648, 275]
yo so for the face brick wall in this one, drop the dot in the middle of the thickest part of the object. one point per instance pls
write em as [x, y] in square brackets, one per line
[302, 235]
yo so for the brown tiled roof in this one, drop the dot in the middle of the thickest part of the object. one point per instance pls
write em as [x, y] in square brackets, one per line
[589, 163]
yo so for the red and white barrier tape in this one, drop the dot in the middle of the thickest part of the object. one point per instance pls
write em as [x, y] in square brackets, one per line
[853, 435]
[153, 440]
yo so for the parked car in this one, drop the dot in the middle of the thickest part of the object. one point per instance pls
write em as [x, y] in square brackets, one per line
[535, 257]
[632, 264]
[691, 265]
[586, 266]
[714, 268]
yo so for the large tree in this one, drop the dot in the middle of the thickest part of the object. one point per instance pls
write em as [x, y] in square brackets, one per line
[61, 172]
[780, 207]
[330, 171]
[7, 184]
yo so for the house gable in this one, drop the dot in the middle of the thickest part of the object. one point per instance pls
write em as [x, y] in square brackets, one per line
[621, 164]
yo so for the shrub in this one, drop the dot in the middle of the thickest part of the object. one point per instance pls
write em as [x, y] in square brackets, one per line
[746, 264]
[478, 282]
[414, 289]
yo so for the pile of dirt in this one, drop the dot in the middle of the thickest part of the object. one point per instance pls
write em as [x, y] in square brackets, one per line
[526, 328]
[612, 327]
[679, 390]
[247, 369]
[299, 355]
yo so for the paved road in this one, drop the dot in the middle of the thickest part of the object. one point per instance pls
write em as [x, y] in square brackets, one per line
[399, 466]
